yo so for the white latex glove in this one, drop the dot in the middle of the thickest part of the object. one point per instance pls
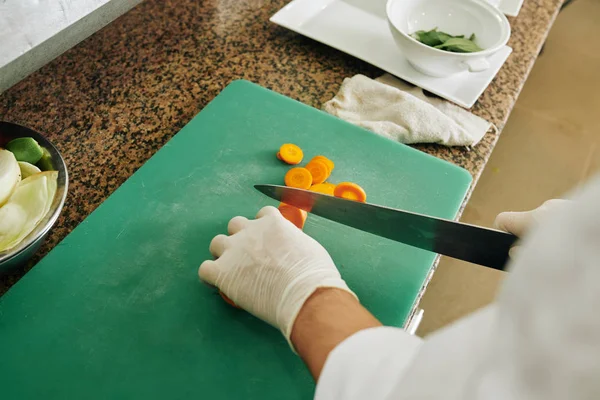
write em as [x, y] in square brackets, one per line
[519, 223]
[269, 267]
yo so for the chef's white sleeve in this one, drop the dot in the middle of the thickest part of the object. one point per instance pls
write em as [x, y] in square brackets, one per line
[539, 340]
[367, 364]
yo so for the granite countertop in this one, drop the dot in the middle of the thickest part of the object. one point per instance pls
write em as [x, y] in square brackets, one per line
[112, 101]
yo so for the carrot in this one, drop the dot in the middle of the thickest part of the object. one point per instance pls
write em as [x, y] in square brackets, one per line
[228, 300]
[295, 215]
[319, 171]
[291, 154]
[298, 178]
[279, 156]
[325, 188]
[327, 161]
[350, 191]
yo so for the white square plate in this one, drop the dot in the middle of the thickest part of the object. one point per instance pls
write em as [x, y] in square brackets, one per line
[508, 7]
[359, 28]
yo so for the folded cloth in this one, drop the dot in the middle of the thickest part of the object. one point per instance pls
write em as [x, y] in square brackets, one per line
[398, 111]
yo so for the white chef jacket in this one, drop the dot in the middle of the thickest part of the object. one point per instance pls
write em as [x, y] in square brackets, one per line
[539, 340]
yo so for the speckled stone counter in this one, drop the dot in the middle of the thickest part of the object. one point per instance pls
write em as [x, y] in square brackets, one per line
[112, 101]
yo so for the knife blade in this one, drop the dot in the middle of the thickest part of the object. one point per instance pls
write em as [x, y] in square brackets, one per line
[475, 244]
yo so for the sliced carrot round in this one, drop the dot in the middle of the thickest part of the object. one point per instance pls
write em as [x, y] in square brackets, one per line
[350, 191]
[293, 214]
[291, 154]
[319, 171]
[298, 178]
[228, 300]
[325, 188]
[327, 161]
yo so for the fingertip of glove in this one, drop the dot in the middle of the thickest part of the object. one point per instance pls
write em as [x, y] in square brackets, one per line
[512, 222]
[266, 211]
[236, 224]
[218, 245]
[208, 272]
[500, 221]
[512, 253]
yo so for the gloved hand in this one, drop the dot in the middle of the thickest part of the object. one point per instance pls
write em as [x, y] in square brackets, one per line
[269, 267]
[519, 223]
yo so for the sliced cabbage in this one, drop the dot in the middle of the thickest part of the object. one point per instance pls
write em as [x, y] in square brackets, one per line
[28, 169]
[26, 207]
[10, 175]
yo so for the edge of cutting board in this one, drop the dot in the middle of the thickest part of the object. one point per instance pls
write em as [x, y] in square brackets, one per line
[242, 82]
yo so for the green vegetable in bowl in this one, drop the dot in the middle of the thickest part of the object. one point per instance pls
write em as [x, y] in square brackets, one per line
[447, 42]
[433, 37]
[45, 163]
[25, 149]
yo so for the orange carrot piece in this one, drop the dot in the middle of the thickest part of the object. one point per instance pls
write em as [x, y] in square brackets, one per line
[319, 171]
[279, 156]
[295, 215]
[228, 300]
[327, 161]
[291, 154]
[325, 188]
[298, 178]
[350, 191]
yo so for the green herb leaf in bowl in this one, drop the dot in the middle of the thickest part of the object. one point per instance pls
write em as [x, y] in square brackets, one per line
[447, 42]
[458, 45]
[431, 38]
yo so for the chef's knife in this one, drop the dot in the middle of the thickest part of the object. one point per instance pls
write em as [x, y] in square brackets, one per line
[470, 243]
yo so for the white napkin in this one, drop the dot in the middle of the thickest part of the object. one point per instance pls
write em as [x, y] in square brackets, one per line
[393, 109]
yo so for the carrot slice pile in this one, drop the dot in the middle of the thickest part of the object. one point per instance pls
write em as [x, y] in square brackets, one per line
[313, 177]
[295, 215]
[325, 188]
[319, 170]
[228, 300]
[327, 161]
[350, 191]
[291, 154]
[300, 178]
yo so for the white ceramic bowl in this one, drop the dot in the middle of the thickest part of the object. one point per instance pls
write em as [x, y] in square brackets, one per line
[456, 17]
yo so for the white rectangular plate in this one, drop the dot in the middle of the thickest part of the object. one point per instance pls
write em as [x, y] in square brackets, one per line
[508, 7]
[359, 28]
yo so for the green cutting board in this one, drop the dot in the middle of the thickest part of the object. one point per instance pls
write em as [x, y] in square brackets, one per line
[116, 310]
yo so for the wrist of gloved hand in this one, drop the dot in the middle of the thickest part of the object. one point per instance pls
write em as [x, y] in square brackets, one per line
[269, 267]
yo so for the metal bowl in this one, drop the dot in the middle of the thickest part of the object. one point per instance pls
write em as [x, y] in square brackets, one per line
[20, 254]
